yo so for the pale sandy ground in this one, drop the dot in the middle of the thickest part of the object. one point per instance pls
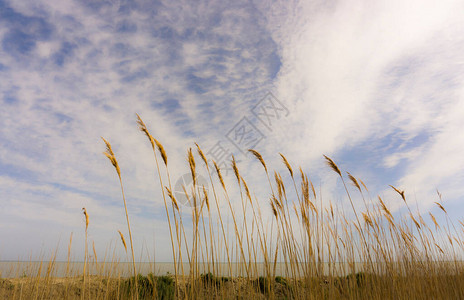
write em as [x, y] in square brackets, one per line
[98, 287]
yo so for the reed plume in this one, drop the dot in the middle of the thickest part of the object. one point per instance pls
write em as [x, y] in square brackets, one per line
[441, 207]
[153, 142]
[162, 152]
[218, 171]
[236, 172]
[202, 155]
[84, 211]
[110, 155]
[191, 161]
[259, 157]
[399, 192]
[173, 199]
[287, 164]
[332, 165]
[354, 181]
[123, 240]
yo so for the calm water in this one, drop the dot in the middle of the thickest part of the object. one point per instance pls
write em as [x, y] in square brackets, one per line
[10, 269]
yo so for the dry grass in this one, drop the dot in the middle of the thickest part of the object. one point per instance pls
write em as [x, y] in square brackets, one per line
[323, 251]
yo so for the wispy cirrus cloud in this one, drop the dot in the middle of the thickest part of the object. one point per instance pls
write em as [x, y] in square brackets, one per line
[80, 70]
[378, 86]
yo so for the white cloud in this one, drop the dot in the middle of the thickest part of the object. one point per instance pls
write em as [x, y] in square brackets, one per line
[65, 103]
[355, 73]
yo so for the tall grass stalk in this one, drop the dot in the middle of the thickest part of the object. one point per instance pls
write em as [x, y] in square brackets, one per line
[110, 155]
[288, 242]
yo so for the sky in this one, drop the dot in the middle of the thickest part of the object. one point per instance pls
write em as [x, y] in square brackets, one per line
[378, 86]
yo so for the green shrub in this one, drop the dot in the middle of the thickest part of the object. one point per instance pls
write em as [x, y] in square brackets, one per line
[165, 288]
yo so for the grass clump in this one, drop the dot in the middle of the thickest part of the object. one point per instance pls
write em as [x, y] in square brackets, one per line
[148, 287]
[209, 280]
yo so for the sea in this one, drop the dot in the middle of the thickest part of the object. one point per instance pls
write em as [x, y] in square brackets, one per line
[15, 269]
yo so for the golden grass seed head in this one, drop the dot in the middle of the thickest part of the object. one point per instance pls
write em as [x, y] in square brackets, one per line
[362, 183]
[161, 150]
[406, 238]
[439, 194]
[434, 220]
[202, 155]
[422, 221]
[109, 150]
[143, 128]
[218, 171]
[357, 227]
[332, 165]
[399, 192]
[123, 240]
[305, 191]
[287, 164]
[367, 220]
[354, 181]
[387, 212]
[273, 206]
[304, 216]
[313, 207]
[274, 210]
[110, 155]
[450, 240]
[173, 199]
[439, 248]
[86, 218]
[414, 220]
[279, 188]
[313, 189]
[195, 206]
[295, 210]
[234, 167]
[206, 197]
[191, 161]
[277, 204]
[140, 122]
[383, 206]
[259, 157]
[247, 190]
[343, 243]
[441, 207]
[282, 185]
[459, 242]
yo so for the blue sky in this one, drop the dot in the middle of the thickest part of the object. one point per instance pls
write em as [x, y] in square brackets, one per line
[377, 86]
